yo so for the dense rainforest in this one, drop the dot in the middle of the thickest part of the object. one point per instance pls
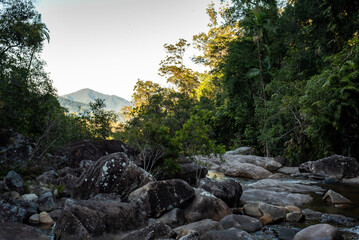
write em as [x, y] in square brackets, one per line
[283, 78]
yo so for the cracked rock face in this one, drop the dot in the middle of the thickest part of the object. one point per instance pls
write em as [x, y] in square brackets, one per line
[113, 173]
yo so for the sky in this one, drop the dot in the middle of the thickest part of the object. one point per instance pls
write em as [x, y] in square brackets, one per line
[107, 45]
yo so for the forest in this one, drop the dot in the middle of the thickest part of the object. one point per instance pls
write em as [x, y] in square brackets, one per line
[283, 78]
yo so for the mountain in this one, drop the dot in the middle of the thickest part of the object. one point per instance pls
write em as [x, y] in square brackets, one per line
[78, 101]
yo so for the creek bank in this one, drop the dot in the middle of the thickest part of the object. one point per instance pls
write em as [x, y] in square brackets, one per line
[113, 198]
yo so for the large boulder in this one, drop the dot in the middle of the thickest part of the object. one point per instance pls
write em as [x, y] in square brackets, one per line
[245, 170]
[19, 231]
[158, 197]
[201, 227]
[229, 234]
[85, 219]
[206, 206]
[334, 198]
[335, 166]
[229, 190]
[113, 173]
[245, 223]
[67, 183]
[276, 198]
[157, 230]
[277, 185]
[173, 218]
[319, 232]
[75, 152]
[13, 182]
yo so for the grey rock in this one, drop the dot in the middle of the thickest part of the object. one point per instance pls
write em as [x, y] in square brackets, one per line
[294, 217]
[333, 198]
[13, 182]
[29, 197]
[48, 177]
[229, 234]
[329, 218]
[113, 173]
[46, 202]
[229, 190]
[11, 195]
[68, 183]
[192, 236]
[276, 213]
[286, 234]
[284, 186]
[16, 210]
[55, 214]
[241, 151]
[252, 209]
[158, 197]
[206, 206]
[34, 219]
[201, 227]
[319, 232]
[19, 231]
[245, 223]
[288, 170]
[154, 231]
[173, 218]
[84, 164]
[107, 197]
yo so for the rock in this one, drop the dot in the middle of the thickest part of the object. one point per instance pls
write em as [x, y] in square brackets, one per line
[191, 172]
[66, 170]
[11, 195]
[266, 219]
[206, 206]
[19, 231]
[293, 209]
[335, 166]
[288, 170]
[55, 214]
[286, 234]
[192, 236]
[294, 217]
[246, 170]
[228, 190]
[245, 223]
[229, 234]
[85, 219]
[319, 232]
[252, 209]
[173, 218]
[154, 231]
[46, 201]
[45, 218]
[267, 163]
[107, 197]
[84, 164]
[75, 152]
[13, 182]
[284, 186]
[278, 176]
[113, 173]
[241, 151]
[276, 213]
[201, 227]
[29, 197]
[333, 198]
[67, 183]
[282, 160]
[48, 177]
[34, 219]
[329, 218]
[15, 210]
[15, 148]
[1, 187]
[157, 197]
[353, 181]
[276, 198]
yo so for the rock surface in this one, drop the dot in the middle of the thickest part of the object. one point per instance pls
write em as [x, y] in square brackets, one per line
[45, 218]
[13, 182]
[319, 232]
[284, 186]
[173, 218]
[335, 166]
[333, 198]
[228, 190]
[157, 230]
[19, 231]
[87, 218]
[201, 227]
[46, 201]
[113, 173]
[206, 206]
[229, 234]
[157, 197]
[245, 223]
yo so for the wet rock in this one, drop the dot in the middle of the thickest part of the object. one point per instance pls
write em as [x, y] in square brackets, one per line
[48, 177]
[319, 232]
[173, 218]
[276, 198]
[154, 231]
[45, 218]
[13, 182]
[46, 201]
[29, 197]
[34, 219]
[229, 234]
[85, 219]
[229, 190]
[67, 183]
[157, 197]
[284, 186]
[201, 227]
[335, 166]
[333, 198]
[206, 206]
[19, 231]
[329, 218]
[113, 173]
[75, 152]
[245, 223]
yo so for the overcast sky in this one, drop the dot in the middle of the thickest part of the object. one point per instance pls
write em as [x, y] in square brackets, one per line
[106, 45]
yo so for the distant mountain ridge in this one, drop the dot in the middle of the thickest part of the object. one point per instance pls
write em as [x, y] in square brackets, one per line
[79, 101]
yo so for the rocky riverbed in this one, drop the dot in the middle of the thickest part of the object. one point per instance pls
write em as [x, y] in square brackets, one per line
[98, 190]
